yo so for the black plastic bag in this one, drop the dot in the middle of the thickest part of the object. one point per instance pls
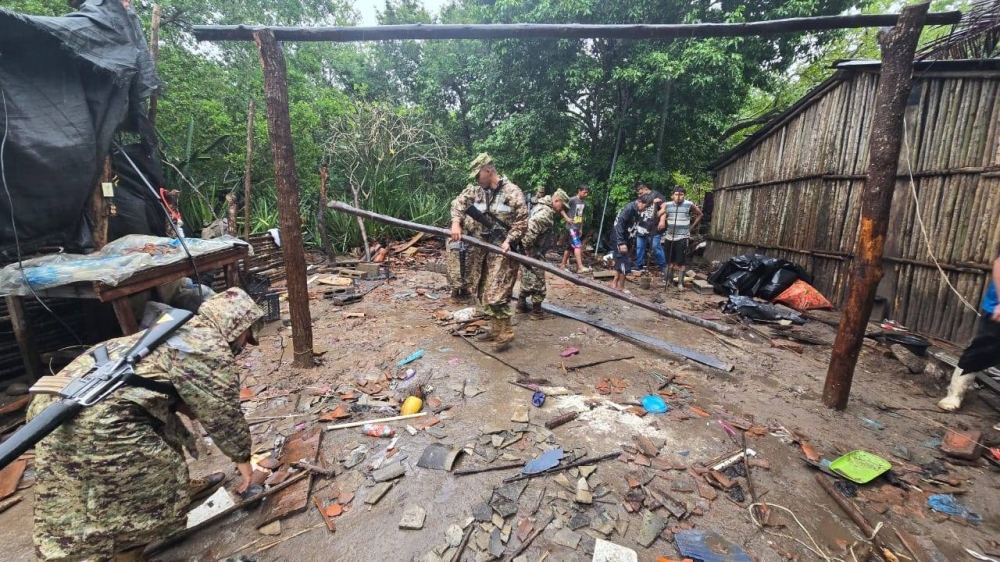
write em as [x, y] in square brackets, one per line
[747, 307]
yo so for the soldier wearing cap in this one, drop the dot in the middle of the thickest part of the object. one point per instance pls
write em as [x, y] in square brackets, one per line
[114, 478]
[538, 236]
[496, 196]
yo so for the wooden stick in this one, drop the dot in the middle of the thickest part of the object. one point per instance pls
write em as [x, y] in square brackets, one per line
[852, 510]
[601, 362]
[540, 265]
[527, 541]
[572, 31]
[560, 420]
[183, 533]
[288, 538]
[247, 173]
[465, 541]
[379, 420]
[478, 470]
[495, 358]
[10, 502]
[556, 469]
[322, 513]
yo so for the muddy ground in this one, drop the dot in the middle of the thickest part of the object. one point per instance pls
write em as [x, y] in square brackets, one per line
[775, 392]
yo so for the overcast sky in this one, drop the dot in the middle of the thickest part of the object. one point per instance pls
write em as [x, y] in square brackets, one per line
[368, 9]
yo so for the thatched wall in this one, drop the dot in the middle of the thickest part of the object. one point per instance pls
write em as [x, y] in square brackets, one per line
[793, 190]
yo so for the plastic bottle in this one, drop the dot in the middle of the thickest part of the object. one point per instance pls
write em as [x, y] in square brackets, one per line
[378, 430]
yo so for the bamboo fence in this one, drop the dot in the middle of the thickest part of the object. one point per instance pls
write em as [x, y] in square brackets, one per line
[792, 191]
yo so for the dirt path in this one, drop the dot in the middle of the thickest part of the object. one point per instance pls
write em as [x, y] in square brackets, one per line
[773, 388]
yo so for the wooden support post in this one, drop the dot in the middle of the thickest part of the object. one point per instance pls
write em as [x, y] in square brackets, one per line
[154, 51]
[898, 46]
[232, 230]
[324, 175]
[99, 206]
[125, 315]
[247, 173]
[25, 339]
[280, 132]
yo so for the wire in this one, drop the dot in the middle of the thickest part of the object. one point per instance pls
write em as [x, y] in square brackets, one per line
[920, 221]
[170, 219]
[13, 224]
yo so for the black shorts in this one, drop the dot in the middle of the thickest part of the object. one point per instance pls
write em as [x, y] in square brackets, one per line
[984, 351]
[622, 263]
[676, 251]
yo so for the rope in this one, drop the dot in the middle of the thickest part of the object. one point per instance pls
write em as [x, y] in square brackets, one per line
[920, 221]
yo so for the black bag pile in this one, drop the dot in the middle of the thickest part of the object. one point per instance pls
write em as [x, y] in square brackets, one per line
[757, 276]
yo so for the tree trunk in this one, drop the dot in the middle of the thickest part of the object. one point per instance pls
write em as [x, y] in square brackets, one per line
[898, 46]
[663, 124]
[154, 51]
[324, 175]
[251, 112]
[99, 207]
[287, 186]
[232, 230]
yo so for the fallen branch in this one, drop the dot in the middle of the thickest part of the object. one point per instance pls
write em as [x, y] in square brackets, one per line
[852, 511]
[560, 420]
[7, 504]
[465, 541]
[561, 468]
[495, 358]
[601, 362]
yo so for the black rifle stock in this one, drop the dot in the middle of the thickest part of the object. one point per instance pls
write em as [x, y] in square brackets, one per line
[496, 231]
[105, 377]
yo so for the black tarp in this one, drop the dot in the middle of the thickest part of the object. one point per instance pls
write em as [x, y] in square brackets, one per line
[756, 275]
[69, 83]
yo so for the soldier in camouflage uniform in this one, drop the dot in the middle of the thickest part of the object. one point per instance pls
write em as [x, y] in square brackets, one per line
[537, 239]
[115, 476]
[494, 195]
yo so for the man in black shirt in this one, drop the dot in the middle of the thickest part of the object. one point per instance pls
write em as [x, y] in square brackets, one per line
[648, 234]
[625, 227]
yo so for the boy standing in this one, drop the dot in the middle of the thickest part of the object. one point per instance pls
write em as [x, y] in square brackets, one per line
[679, 223]
[574, 223]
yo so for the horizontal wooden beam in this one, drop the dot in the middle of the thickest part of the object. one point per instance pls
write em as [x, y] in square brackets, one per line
[561, 31]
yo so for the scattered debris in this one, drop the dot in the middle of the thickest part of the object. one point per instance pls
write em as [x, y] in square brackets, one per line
[948, 504]
[709, 547]
[378, 492]
[962, 444]
[569, 351]
[413, 518]
[438, 456]
[652, 526]
[546, 461]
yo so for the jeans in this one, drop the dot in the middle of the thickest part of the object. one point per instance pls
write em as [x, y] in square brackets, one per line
[643, 244]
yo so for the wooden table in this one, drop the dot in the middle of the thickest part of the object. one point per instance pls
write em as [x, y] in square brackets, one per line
[118, 295]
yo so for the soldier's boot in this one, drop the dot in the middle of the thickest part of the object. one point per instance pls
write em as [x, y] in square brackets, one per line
[458, 296]
[522, 305]
[201, 488]
[505, 334]
[536, 311]
[491, 331]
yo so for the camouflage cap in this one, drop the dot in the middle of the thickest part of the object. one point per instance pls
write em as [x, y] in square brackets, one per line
[231, 312]
[481, 161]
[560, 195]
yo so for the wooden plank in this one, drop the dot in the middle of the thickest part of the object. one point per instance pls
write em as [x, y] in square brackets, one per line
[23, 335]
[10, 477]
[125, 315]
[294, 499]
[641, 338]
[156, 276]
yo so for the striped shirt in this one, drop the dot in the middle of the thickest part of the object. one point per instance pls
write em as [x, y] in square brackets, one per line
[678, 220]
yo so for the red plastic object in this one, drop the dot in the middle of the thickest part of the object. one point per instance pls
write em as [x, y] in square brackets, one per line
[570, 351]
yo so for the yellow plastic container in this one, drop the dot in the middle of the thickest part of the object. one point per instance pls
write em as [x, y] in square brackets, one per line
[411, 405]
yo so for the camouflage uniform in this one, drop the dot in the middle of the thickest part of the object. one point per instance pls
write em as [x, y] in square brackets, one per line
[115, 476]
[537, 239]
[498, 272]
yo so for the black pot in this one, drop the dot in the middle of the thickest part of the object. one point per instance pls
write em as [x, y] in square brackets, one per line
[916, 344]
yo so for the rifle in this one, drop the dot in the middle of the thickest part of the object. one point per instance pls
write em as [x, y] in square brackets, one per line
[103, 379]
[496, 231]
[463, 250]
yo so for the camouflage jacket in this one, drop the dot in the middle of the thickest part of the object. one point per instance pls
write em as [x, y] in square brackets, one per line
[506, 204]
[539, 233]
[116, 474]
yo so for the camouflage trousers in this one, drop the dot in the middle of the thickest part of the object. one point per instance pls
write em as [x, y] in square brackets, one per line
[498, 285]
[532, 284]
[473, 269]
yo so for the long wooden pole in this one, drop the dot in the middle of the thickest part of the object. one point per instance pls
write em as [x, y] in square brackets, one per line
[898, 46]
[287, 185]
[572, 31]
[248, 169]
[154, 51]
[537, 264]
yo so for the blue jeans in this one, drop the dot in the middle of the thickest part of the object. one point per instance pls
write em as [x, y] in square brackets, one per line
[643, 244]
